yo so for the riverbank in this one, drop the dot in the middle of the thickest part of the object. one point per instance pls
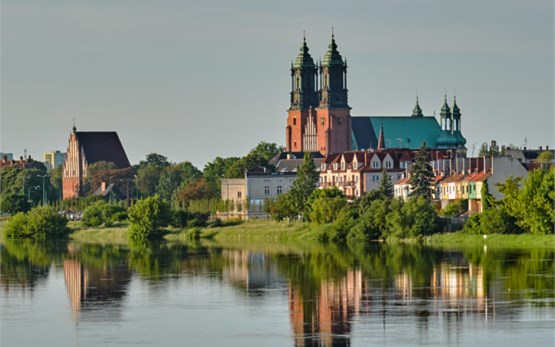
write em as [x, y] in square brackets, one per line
[269, 232]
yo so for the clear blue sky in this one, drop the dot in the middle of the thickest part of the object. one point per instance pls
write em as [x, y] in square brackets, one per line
[193, 80]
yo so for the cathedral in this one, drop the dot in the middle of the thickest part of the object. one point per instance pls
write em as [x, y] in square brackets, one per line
[319, 118]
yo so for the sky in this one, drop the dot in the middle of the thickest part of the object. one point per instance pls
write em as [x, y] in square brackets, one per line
[194, 80]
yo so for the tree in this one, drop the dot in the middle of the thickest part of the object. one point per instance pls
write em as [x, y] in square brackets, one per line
[534, 205]
[155, 159]
[148, 217]
[196, 189]
[385, 188]
[175, 176]
[14, 203]
[326, 204]
[148, 177]
[41, 222]
[303, 185]
[415, 218]
[216, 170]
[421, 175]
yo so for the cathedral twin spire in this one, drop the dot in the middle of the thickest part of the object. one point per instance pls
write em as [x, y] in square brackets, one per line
[319, 85]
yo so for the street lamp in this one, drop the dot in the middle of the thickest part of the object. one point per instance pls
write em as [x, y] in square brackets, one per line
[43, 191]
[29, 191]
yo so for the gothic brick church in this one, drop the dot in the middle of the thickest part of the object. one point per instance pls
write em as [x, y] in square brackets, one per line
[319, 118]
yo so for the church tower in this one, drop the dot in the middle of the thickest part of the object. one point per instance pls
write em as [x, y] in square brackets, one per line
[333, 112]
[301, 133]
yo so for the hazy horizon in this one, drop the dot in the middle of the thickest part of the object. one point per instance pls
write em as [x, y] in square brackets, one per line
[193, 80]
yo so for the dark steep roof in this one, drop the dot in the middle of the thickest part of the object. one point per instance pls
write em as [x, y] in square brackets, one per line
[102, 146]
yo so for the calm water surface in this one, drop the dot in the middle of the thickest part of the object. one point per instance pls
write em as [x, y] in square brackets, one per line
[175, 295]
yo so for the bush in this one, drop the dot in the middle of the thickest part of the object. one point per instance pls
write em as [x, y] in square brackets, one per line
[148, 217]
[102, 212]
[325, 205]
[180, 218]
[15, 203]
[40, 223]
[415, 218]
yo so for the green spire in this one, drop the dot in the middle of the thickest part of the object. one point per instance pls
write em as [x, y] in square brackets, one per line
[304, 59]
[417, 111]
[445, 110]
[456, 110]
[332, 56]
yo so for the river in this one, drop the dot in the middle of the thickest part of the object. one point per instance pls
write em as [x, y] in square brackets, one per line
[167, 294]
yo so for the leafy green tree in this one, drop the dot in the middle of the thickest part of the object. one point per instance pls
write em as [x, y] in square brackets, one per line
[385, 188]
[415, 218]
[326, 204]
[372, 222]
[421, 175]
[197, 189]
[217, 169]
[148, 217]
[533, 207]
[545, 157]
[42, 222]
[455, 208]
[174, 177]
[148, 177]
[102, 212]
[488, 200]
[14, 203]
[155, 159]
[282, 208]
[303, 185]
[56, 181]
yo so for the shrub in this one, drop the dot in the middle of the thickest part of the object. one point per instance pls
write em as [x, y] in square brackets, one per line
[40, 223]
[102, 212]
[92, 217]
[180, 218]
[148, 217]
[14, 203]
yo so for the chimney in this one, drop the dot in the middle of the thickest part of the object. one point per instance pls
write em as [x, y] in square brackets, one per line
[541, 148]
[547, 148]
[102, 186]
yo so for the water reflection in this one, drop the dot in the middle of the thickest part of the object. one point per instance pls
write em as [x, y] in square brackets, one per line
[333, 294]
[96, 278]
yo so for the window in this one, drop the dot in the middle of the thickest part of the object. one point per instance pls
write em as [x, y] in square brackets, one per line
[279, 190]
[375, 165]
[335, 166]
[342, 165]
[295, 144]
[356, 178]
[388, 164]
[375, 178]
[356, 192]
[399, 176]
[238, 195]
[266, 190]
[294, 121]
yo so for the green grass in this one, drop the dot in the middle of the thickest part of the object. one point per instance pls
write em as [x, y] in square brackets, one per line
[462, 240]
[257, 231]
[273, 234]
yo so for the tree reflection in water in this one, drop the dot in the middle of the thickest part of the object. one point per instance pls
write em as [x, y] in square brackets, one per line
[329, 288]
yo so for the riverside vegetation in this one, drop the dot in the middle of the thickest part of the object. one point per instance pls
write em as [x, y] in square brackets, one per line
[305, 212]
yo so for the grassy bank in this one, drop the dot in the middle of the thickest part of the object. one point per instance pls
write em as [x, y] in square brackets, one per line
[270, 232]
[273, 234]
[462, 240]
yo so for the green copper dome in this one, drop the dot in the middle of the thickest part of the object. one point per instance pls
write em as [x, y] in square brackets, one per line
[332, 56]
[445, 110]
[417, 111]
[304, 59]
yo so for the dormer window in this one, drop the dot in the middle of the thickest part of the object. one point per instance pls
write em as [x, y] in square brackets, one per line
[335, 166]
[375, 164]
[342, 165]
[388, 164]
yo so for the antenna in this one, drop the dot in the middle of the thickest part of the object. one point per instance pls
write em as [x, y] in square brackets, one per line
[525, 142]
